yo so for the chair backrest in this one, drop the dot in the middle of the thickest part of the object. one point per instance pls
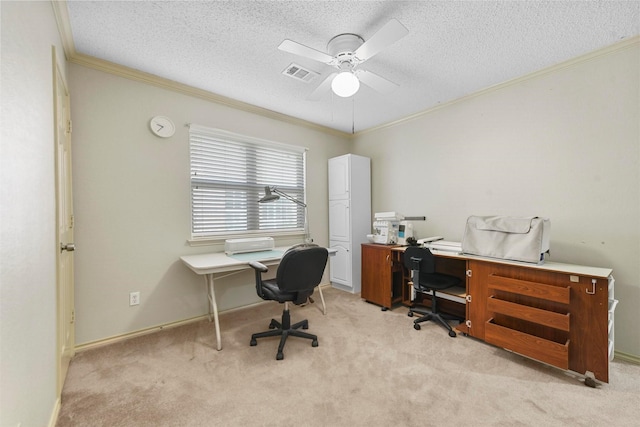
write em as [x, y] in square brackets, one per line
[419, 258]
[301, 268]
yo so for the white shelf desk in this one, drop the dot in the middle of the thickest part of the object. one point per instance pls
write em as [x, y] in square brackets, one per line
[212, 265]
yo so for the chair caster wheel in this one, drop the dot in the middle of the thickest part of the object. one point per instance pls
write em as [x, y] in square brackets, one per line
[272, 325]
[452, 334]
[416, 326]
[253, 342]
[410, 314]
[279, 356]
[305, 326]
[314, 343]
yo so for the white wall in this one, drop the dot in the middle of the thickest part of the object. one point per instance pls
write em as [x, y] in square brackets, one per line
[564, 144]
[132, 202]
[27, 215]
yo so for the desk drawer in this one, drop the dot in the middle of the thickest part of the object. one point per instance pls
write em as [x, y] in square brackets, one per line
[548, 351]
[558, 294]
[531, 314]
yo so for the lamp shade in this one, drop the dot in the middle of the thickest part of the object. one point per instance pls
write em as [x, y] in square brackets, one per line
[268, 196]
[345, 84]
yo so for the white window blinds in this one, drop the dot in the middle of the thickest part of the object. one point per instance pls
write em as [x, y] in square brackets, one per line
[229, 173]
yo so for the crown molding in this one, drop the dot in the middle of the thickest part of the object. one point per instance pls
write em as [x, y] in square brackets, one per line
[61, 13]
[617, 47]
[140, 76]
[64, 28]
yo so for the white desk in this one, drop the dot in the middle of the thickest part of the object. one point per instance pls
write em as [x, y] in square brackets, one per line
[212, 264]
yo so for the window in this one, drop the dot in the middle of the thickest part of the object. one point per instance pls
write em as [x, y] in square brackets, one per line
[229, 173]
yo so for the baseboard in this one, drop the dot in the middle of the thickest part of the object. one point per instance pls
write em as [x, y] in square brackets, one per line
[56, 411]
[626, 357]
[133, 334]
[344, 288]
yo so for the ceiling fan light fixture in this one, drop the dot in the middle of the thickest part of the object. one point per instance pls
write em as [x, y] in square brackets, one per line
[345, 84]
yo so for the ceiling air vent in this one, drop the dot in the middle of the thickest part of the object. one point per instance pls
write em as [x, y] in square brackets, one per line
[299, 73]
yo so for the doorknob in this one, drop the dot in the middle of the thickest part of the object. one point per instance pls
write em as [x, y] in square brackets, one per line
[67, 247]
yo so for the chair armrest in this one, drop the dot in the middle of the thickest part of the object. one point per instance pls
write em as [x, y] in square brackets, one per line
[258, 266]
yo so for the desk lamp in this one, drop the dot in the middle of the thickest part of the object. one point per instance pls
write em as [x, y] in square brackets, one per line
[271, 194]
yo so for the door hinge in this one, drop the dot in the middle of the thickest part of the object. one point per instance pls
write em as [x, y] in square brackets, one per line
[73, 316]
[71, 223]
[468, 273]
[468, 323]
[69, 126]
[468, 298]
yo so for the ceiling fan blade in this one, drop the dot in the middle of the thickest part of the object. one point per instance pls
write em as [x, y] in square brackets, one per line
[384, 37]
[375, 82]
[322, 88]
[302, 50]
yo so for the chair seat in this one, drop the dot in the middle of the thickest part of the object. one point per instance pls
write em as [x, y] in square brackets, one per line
[271, 291]
[438, 282]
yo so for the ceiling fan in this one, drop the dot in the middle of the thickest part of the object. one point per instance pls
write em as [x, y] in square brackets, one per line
[346, 52]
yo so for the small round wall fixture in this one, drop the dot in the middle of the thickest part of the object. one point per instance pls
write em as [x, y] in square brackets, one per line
[162, 126]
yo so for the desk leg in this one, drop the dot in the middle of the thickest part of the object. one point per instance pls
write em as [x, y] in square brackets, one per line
[324, 307]
[213, 306]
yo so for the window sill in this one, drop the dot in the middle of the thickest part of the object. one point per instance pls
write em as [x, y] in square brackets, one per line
[219, 240]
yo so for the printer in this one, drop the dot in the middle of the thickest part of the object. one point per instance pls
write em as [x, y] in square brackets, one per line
[254, 244]
[386, 226]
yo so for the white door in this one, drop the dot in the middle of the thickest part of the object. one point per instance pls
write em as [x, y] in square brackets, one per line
[64, 222]
[339, 178]
[340, 264]
[339, 220]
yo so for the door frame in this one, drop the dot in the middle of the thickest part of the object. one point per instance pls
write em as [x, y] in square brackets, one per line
[65, 304]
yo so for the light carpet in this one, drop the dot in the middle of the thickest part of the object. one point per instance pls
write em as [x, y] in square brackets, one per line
[371, 368]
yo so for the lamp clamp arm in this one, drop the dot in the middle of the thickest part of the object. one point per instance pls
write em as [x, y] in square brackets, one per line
[288, 197]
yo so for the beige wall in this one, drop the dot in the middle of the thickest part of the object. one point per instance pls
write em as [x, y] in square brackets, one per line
[132, 206]
[563, 144]
[28, 368]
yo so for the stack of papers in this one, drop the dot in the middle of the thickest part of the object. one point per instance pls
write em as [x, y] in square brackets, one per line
[444, 245]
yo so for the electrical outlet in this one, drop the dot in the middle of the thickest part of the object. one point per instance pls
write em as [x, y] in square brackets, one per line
[134, 298]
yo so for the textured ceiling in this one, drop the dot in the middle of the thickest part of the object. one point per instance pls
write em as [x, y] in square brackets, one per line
[453, 49]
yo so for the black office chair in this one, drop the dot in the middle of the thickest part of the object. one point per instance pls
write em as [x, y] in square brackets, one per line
[299, 272]
[422, 264]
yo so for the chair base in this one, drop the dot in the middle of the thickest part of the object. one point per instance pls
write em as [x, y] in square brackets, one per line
[436, 317]
[284, 329]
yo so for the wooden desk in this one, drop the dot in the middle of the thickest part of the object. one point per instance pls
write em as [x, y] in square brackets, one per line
[553, 312]
[211, 265]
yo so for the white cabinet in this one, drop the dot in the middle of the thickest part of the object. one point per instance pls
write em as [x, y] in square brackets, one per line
[349, 218]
